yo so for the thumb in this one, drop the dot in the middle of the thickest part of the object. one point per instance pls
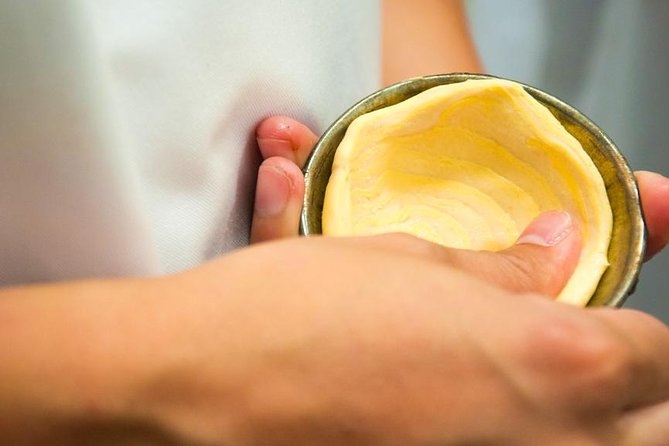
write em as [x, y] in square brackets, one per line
[541, 261]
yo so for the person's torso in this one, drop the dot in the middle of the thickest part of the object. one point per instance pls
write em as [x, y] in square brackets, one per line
[126, 127]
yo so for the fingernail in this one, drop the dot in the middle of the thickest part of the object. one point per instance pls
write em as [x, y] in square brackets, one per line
[272, 191]
[549, 229]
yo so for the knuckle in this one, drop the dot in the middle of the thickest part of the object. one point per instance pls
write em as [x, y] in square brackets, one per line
[605, 364]
[586, 360]
[554, 340]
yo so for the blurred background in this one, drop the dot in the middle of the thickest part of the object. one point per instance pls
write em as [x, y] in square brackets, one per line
[607, 58]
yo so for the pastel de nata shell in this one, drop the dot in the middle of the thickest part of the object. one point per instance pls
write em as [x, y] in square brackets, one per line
[468, 165]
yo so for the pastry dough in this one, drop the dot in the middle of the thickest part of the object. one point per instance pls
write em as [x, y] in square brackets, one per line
[468, 165]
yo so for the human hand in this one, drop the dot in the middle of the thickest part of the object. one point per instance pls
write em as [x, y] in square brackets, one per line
[385, 340]
[380, 340]
[392, 340]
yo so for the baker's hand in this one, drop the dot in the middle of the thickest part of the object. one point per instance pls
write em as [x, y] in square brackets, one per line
[285, 145]
[391, 340]
[541, 372]
[386, 340]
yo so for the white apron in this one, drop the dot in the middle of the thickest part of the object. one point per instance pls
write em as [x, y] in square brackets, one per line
[127, 126]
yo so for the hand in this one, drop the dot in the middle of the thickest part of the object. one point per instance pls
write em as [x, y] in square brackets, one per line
[379, 340]
[390, 340]
[385, 340]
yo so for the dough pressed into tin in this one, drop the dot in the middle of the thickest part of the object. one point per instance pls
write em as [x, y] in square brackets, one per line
[468, 165]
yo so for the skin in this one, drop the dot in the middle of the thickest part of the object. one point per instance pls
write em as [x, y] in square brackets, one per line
[235, 358]
[382, 340]
[654, 190]
[426, 37]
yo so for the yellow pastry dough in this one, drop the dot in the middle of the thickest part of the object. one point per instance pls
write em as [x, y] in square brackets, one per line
[468, 165]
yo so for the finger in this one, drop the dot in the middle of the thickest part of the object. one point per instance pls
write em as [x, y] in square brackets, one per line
[647, 427]
[285, 137]
[278, 201]
[541, 261]
[642, 365]
[654, 191]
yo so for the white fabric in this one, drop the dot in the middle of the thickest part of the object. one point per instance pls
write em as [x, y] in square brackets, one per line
[608, 58]
[126, 126]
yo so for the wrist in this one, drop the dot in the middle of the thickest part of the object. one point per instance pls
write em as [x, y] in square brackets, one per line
[69, 371]
[182, 386]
